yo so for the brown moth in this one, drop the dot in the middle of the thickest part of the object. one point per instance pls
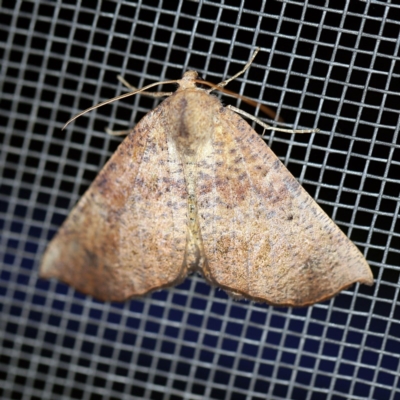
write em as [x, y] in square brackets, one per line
[194, 188]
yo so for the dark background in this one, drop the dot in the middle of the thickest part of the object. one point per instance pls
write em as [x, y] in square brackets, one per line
[335, 67]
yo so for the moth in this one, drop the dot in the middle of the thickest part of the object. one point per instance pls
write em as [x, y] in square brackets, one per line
[193, 188]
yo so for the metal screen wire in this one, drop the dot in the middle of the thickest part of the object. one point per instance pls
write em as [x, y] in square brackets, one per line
[332, 65]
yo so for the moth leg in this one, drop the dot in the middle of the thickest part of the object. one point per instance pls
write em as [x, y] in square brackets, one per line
[238, 111]
[124, 132]
[269, 127]
[133, 88]
[246, 67]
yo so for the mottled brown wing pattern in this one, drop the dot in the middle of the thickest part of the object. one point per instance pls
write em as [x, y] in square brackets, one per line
[264, 237]
[193, 187]
[127, 234]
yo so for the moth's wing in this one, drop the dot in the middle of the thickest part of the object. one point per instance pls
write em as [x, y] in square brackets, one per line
[127, 234]
[264, 237]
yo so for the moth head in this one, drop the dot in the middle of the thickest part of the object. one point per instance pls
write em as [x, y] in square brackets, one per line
[188, 80]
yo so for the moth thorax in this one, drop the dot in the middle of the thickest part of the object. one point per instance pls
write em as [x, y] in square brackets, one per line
[191, 131]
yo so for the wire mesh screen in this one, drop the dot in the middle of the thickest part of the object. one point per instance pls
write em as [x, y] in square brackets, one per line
[334, 66]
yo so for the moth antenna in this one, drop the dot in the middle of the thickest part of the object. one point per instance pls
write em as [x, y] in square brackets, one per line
[266, 110]
[246, 67]
[150, 94]
[122, 96]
